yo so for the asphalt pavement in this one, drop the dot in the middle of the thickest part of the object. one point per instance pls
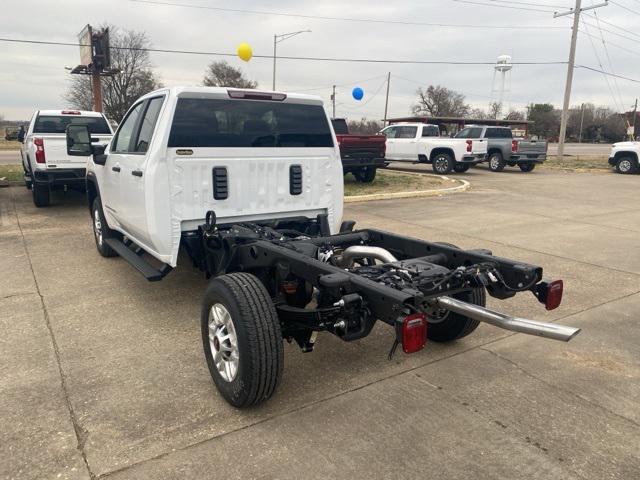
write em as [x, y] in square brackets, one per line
[103, 374]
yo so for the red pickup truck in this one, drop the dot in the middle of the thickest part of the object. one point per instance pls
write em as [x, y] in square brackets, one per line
[361, 155]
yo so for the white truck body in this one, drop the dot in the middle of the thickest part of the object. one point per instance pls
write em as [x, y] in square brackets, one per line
[624, 157]
[152, 197]
[420, 142]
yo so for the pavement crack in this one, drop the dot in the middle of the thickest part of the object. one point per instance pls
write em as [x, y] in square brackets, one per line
[81, 433]
[557, 387]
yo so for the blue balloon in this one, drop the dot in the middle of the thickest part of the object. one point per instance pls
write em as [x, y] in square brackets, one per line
[357, 93]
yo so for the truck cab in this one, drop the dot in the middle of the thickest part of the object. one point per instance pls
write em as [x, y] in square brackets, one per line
[45, 161]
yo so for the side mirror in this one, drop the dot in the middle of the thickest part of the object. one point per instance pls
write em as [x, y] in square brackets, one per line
[78, 141]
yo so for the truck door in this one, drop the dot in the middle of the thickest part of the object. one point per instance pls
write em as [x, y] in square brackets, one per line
[110, 190]
[407, 143]
[133, 215]
[390, 133]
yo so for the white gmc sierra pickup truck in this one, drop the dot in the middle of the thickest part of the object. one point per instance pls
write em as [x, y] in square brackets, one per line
[421, 142]
[44, 155]
[250, 185]
[624, 157]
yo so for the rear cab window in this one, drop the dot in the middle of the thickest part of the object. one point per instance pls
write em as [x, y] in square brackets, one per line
[340, 126]
[430, 131]
[211, 122]
[469, 132]
[59, 123]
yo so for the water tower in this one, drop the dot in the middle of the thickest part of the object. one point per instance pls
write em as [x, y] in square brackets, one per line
[501, 84]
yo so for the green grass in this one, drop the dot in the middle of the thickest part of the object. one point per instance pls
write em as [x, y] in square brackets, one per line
[13, 145]
[13, 173]
[577, 163]
[391, 182]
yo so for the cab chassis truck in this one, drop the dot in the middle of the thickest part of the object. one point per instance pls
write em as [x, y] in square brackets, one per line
[276, 276]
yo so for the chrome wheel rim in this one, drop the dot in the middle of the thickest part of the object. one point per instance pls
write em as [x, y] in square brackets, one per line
[441, 164]
[97, 226]
[494, 162]
[625, 166]
[223, 342]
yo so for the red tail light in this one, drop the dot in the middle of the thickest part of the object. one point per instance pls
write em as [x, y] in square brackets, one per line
[39, 143]
[469, 145]
[554, 294]
[514, 146]
[414, 332]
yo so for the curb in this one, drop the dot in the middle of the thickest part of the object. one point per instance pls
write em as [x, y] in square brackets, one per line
[413, 194]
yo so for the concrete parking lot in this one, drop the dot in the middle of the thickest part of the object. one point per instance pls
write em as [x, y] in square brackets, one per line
[103, 373]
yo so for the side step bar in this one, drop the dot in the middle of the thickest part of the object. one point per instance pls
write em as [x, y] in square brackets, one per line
[515, 324]
[135, 259]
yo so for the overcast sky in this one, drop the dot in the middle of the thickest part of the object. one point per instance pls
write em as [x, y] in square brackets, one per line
[33, 76]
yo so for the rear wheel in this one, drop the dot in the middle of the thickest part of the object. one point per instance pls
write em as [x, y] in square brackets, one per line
[101, 230]
[627, 165]
[461, 167]
[496, 162]
[527, 167]
[453, 325]
[365, 174]
[242, 339]
[442, 163]
[40, 193]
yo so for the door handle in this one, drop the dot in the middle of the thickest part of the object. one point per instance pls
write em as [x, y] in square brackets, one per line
[116, 169]
[136, 173]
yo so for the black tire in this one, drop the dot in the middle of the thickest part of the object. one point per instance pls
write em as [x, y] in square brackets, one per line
[496, 162]
[40, 193]
[27, 183]
[527, 167]
[442, 163]
[626, 165]
[101, 230]
[258, 338]
[365, 174]
[456, 326]
[461, 167]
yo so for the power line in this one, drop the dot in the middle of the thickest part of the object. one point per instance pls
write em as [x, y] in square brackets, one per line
[609, 73]
[270, 57]
[503, 6]
[625, 8]
[606, 51]
[341, 19]
[615, 26]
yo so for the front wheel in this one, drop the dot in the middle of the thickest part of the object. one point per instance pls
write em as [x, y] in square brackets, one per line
[461, 167]
[496, 162]
[101, 230]
[242, 339]
[626, 165]
[365, 174]
[527, 167]
[442, 163]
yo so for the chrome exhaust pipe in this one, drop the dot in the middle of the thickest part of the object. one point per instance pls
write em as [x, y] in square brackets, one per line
[362, 251]
[515, 324]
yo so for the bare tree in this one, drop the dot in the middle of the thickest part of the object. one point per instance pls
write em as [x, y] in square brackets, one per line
[515, 115]
[495, 110]
[364, 126]
[440, 101]
[136, 77]
[221, 74]
[477, 113]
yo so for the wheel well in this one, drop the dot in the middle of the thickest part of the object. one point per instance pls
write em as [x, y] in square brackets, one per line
[619, 155]
[437, 151]
[494, 150]
[92, 193]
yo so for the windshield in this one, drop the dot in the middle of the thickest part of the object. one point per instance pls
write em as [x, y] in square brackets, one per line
[59, 123]
[248, 123]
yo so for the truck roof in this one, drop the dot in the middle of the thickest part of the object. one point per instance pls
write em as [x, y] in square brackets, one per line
[223, 92]
[412, 124]
[70, 112]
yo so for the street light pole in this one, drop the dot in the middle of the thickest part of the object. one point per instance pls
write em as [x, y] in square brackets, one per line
[281, 38]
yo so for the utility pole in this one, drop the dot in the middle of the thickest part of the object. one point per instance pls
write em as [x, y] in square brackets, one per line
[635, 109]
[333, 101]
[572, 60]
[96, 87]
[386, 100]
[581, 123]
[281, 38]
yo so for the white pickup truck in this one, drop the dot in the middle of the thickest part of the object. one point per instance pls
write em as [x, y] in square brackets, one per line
[45, 161]
[249, 185]
[624, 157]
[421, 142]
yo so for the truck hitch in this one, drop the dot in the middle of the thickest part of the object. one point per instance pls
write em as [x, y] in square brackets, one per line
[515, 324]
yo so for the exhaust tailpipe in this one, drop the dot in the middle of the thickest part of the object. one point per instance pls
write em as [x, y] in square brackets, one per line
[515, 324]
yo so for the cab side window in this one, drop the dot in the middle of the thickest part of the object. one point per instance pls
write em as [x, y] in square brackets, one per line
[407, 132]
[390, 132]
[148, 124]
[126, 133]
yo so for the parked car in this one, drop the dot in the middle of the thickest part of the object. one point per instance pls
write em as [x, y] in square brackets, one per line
[505, 150]
[266, 224]
[421, 142]
[11, 133]
[45, 161]
[624, 157]
[361, 155]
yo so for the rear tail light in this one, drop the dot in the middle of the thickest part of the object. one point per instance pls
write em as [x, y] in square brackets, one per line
[514, 146]
[550, 293]
[39, 144]
[469, 145]
[414, 332]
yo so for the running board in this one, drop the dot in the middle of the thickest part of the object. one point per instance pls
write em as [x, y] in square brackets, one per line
[134, 258]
